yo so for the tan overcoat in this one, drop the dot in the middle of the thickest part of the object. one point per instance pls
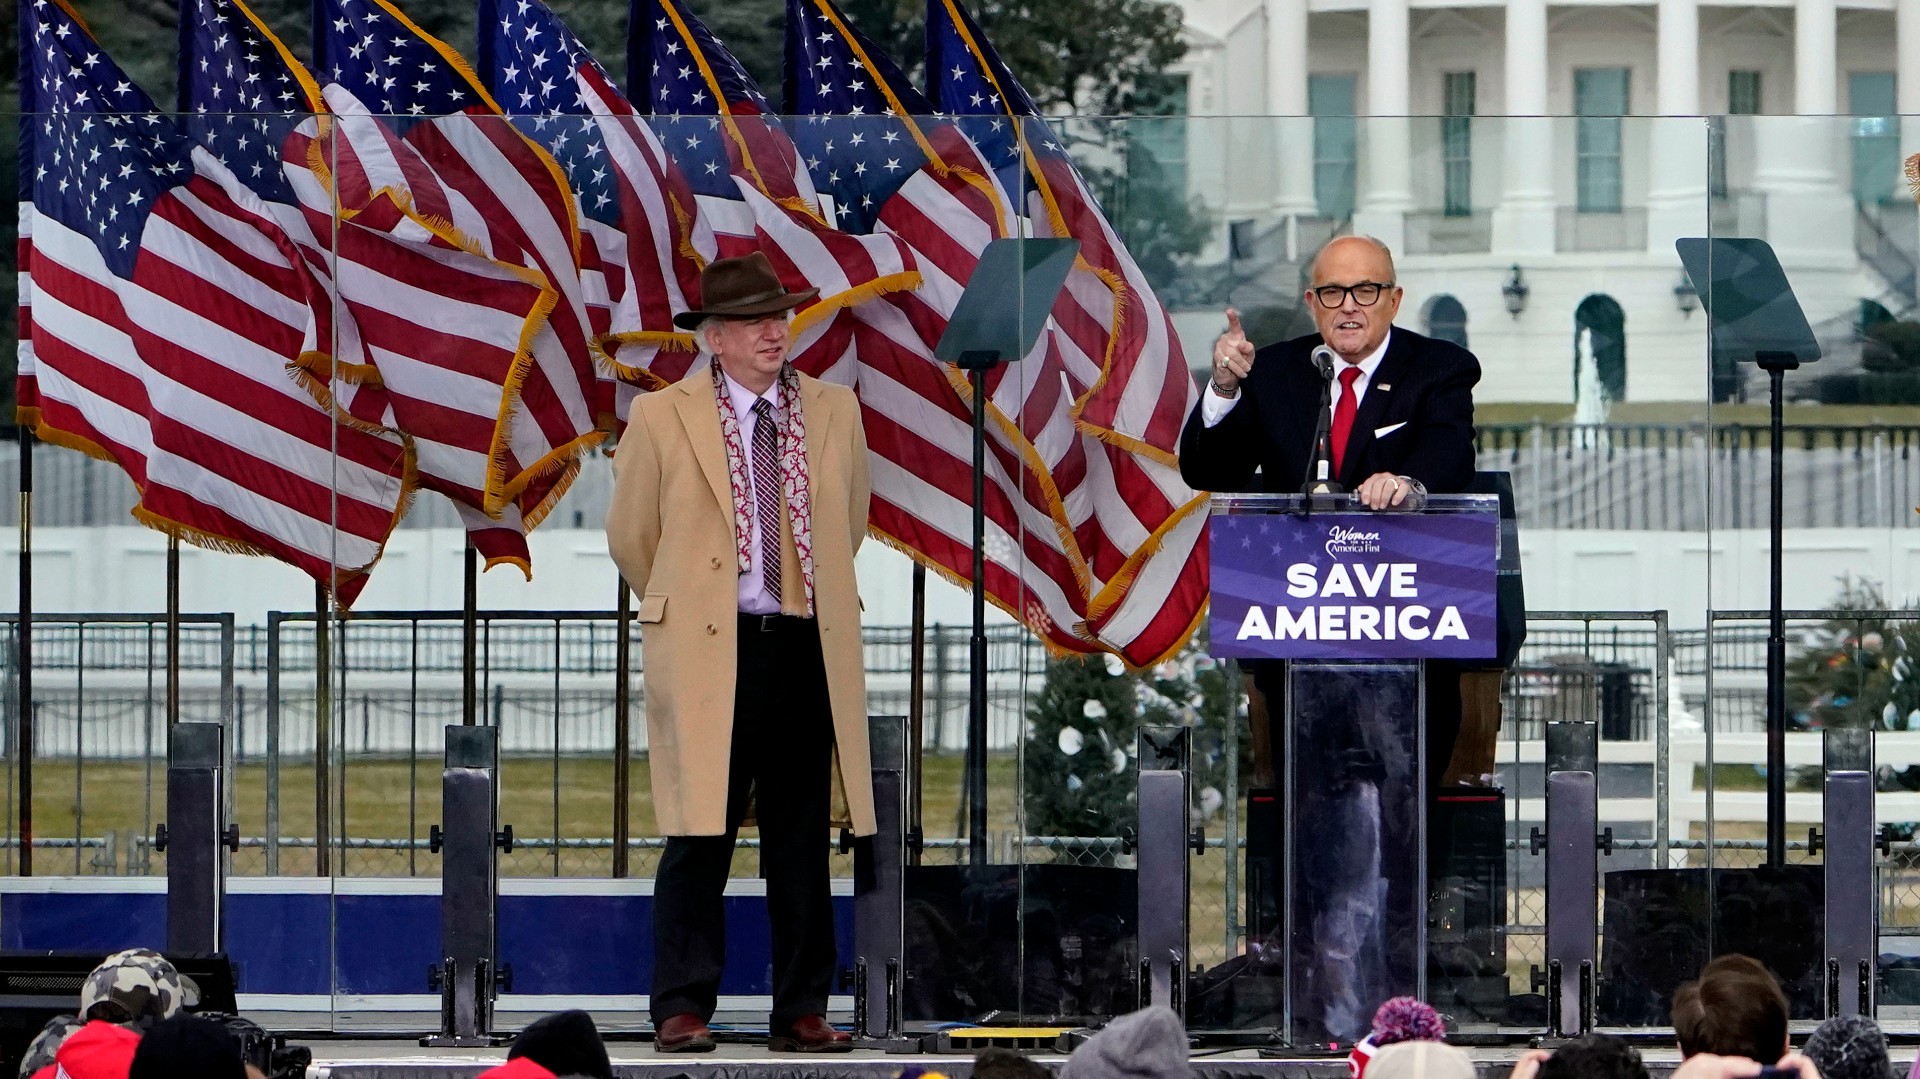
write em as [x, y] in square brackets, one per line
[670, 531]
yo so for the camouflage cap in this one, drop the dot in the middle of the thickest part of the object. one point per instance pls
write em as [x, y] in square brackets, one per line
[138, 988]
[46, 1043]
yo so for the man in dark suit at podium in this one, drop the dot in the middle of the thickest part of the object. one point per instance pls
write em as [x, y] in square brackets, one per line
[1402, 424]
[1400, 427]
[1402, 402]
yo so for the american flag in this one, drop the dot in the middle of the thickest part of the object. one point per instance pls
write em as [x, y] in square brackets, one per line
[1145, 550]
[862, 116]
[425, 156]
[167, 304]
[636, 207]
[750, 183]
[246, 97]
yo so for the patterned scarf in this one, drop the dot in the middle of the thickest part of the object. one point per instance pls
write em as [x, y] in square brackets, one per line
[793, 472]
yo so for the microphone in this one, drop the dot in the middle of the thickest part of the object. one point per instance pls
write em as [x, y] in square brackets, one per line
[1321, 481]
[1323, 358]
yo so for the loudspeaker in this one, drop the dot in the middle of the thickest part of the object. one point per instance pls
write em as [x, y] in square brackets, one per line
[36, 986]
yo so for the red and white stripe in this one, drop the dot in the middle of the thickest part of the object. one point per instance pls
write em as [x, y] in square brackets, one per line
[180, 376]
[488, 371]
[1091, 543]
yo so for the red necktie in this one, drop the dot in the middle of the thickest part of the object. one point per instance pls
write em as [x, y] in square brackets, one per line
[1343, 416]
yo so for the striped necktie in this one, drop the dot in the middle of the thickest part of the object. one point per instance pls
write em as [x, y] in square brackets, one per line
[766, 492]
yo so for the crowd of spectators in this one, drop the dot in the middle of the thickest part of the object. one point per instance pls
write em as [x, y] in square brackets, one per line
[135, 1021]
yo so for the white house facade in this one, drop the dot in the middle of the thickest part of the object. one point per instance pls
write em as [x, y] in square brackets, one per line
[1531, 164]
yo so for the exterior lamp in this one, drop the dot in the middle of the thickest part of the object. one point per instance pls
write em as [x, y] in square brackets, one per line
[1515, 291]
[1685, 296]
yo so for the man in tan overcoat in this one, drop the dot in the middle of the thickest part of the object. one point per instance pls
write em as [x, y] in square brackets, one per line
[740, 497]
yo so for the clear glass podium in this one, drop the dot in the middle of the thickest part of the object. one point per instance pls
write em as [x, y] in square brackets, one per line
[1346, 615]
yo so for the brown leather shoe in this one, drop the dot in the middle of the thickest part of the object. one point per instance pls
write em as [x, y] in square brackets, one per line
[810, 1034]
[682, 1034]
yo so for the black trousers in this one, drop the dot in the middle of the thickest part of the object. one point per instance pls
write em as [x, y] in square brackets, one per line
[782, 758]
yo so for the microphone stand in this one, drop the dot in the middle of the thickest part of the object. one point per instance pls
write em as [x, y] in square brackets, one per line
[1319, 464]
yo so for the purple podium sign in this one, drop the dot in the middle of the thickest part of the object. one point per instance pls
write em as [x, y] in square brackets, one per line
[1359, 586]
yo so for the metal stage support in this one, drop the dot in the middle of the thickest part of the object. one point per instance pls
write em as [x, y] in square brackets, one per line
[879, 896]
[1573, 884]
[1853, 897]
[1164, 839]
[196, 838]
[468, 976]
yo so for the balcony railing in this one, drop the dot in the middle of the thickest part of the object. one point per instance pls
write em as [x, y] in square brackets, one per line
[1432, 232]
[1620, 230]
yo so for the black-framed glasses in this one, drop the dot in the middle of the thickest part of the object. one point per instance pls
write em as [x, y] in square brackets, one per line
[1366, 293]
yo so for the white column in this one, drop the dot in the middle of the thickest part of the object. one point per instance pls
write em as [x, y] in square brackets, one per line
[1797, 159]
[1287, 102]
[1816, 77]
[1385, 134]
[1679, 30]
[1906, 78]
[1523, 221]
[1677, 138]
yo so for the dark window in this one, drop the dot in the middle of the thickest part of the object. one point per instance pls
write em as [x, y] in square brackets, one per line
[1330, 100]
[1743, 99]
[1600, 100]
[1456, 143]
[1605, 325]
[1447, 320]
[1876, 137]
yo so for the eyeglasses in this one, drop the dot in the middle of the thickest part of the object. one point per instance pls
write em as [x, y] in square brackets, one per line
[1366, 293]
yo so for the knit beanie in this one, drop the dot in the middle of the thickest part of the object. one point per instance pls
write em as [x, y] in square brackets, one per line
[1849, 1047]
[1421, 1060]
[1401, 1019]
[564, 1043]
[1148, 1044]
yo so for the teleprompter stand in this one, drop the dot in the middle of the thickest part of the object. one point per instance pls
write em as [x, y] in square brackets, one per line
[1753, 317]
[999, 317]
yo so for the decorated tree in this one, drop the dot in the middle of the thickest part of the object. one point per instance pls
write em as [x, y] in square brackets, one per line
[1078, 768]
[1856, 672]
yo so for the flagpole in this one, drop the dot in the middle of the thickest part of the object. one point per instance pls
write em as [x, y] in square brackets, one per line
[322, 732]
[916, 712]
[977, 641]
[622, 735]
[23, 640]
[173, 634]
[470, 639]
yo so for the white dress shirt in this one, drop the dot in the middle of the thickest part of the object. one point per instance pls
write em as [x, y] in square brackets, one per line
[754, 596]
[1214, 406]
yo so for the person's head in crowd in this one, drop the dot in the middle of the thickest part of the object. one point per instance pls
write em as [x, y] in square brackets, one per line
[1850, 1047]
[1735, 1008]
[187, 1045]
[565, 1043]
[1421, 1060]
[137, 988]
[99, 1050]
[997, 1063]
[1401, 1019]
[1594, 1056]
[41, 1050]
[1148, 1044]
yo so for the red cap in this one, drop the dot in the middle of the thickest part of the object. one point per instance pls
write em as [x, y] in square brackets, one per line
[518, 1068]
[98, 1050]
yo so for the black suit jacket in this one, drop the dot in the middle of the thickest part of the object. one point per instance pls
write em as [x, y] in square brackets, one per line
[1423, 384]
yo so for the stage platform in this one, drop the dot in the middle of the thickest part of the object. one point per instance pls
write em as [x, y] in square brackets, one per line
[396, 1059]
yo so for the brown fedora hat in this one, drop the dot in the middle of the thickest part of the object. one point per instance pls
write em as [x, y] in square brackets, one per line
[745, 287]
